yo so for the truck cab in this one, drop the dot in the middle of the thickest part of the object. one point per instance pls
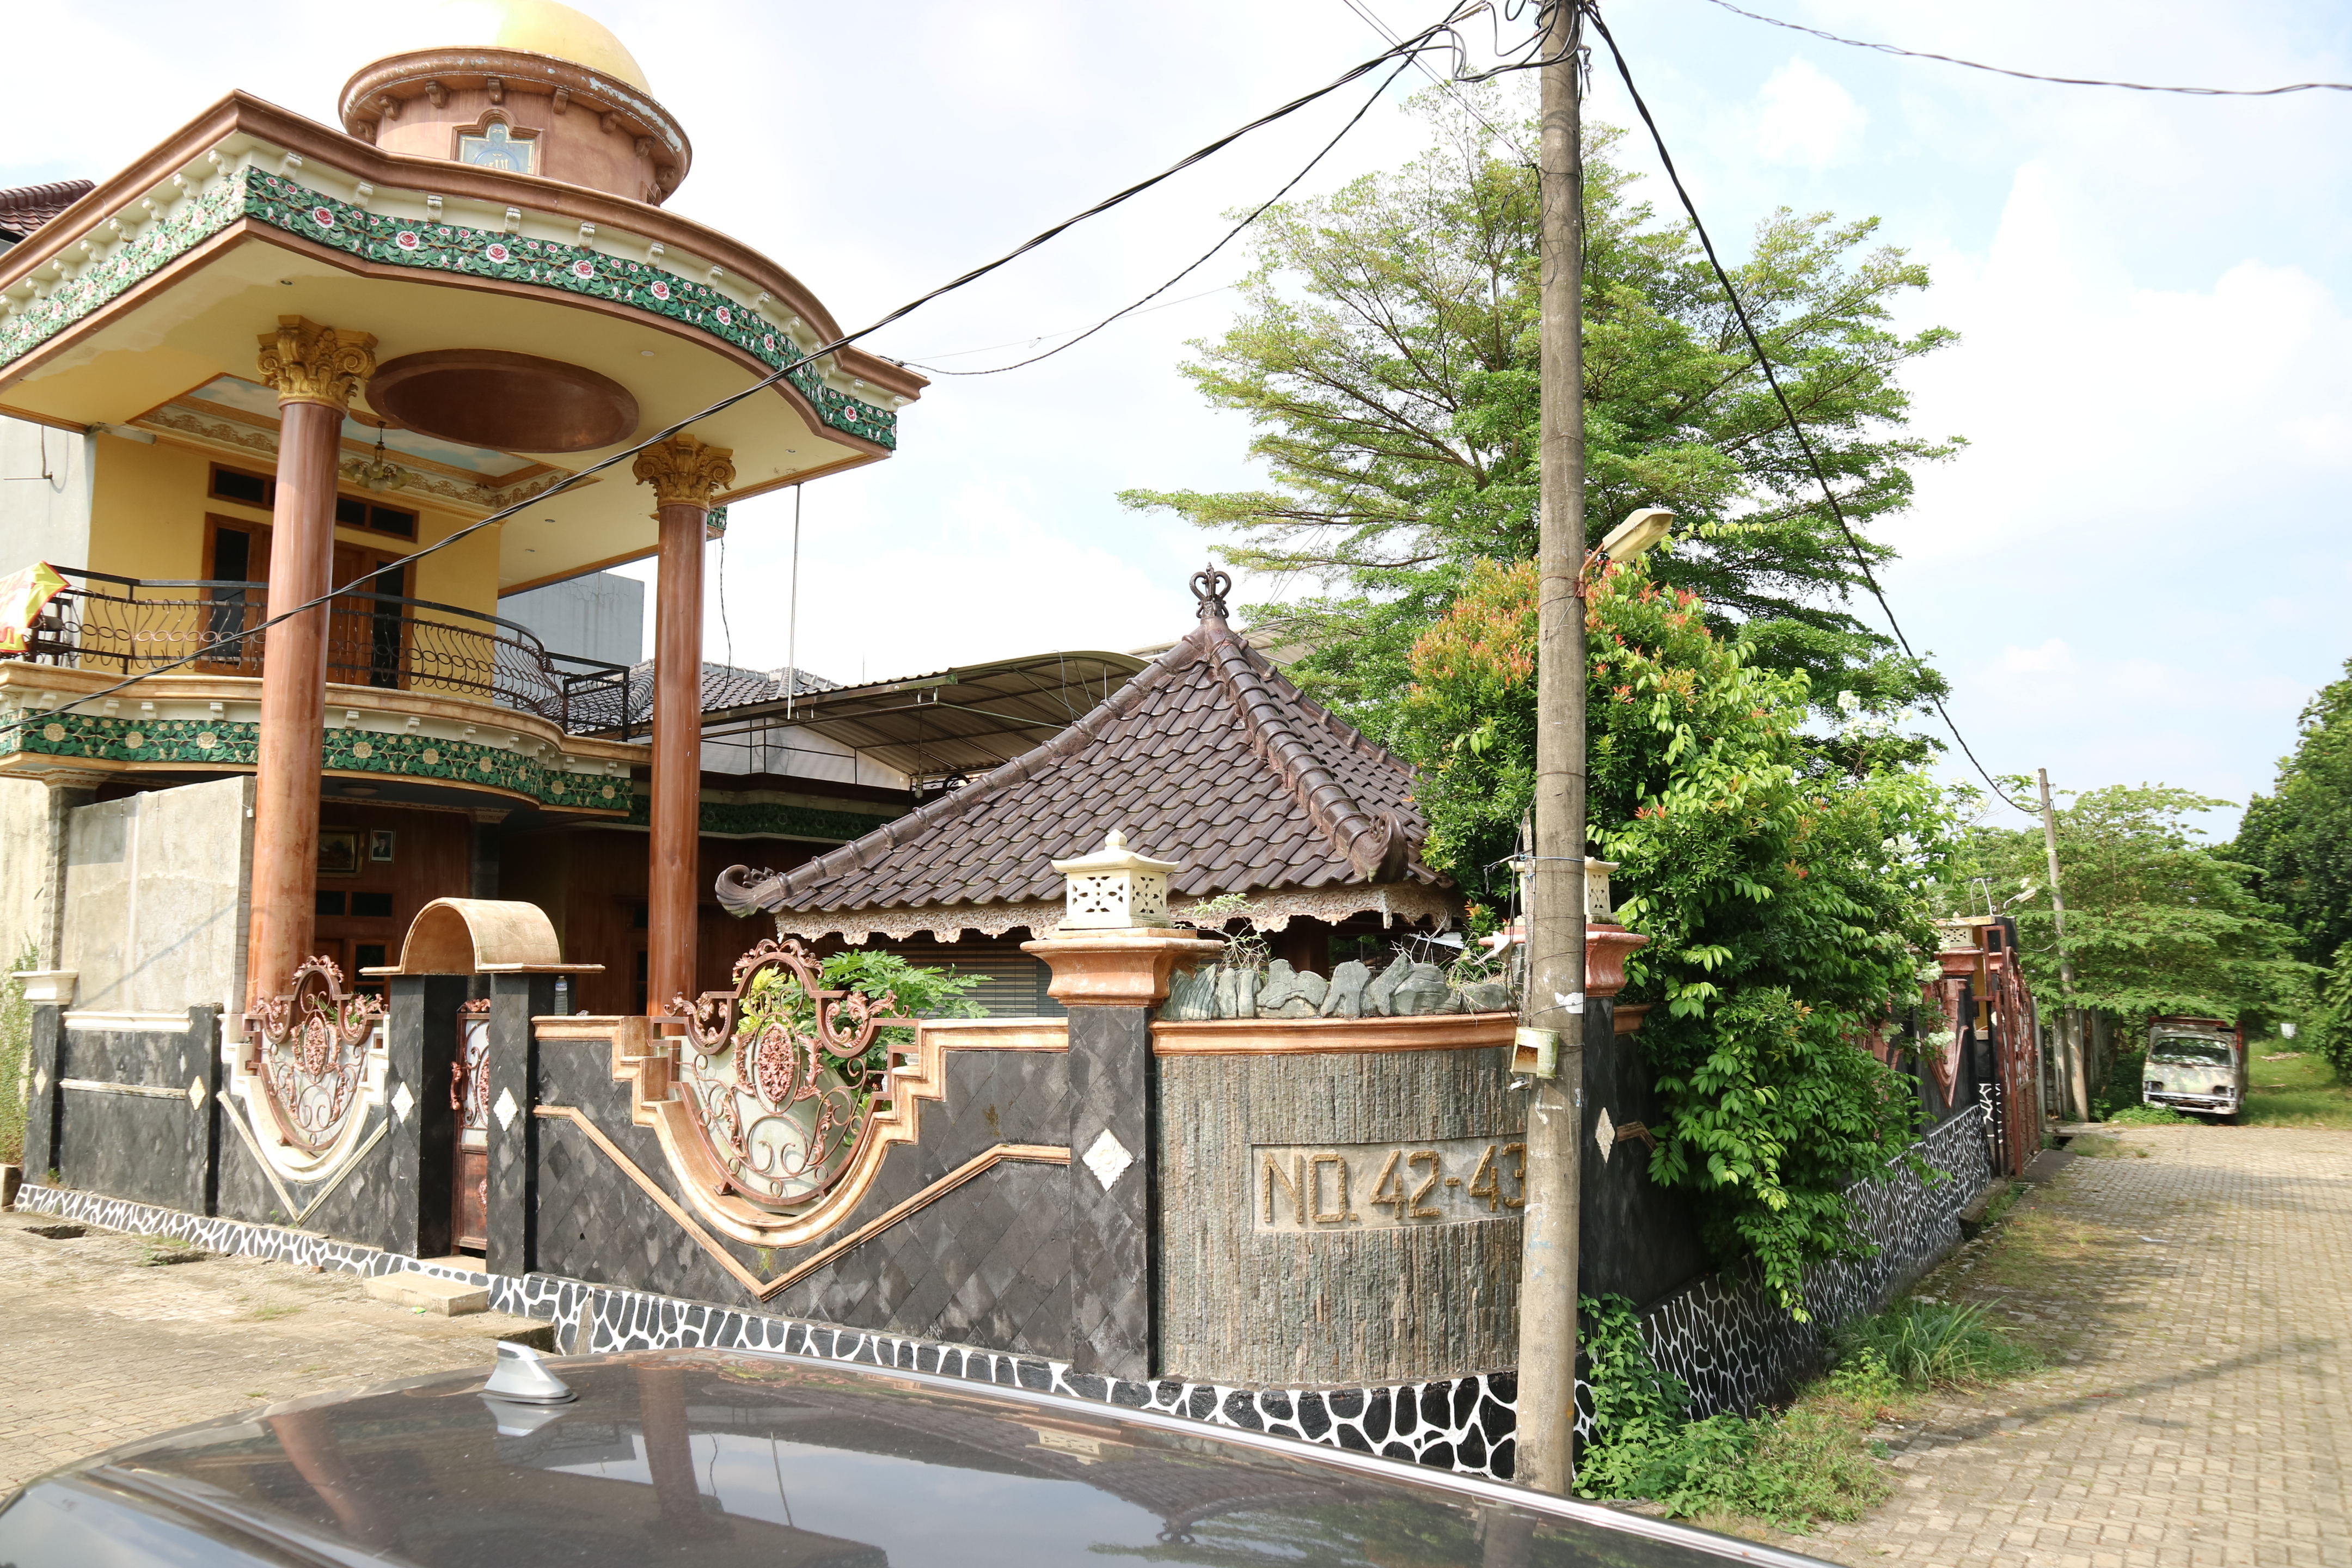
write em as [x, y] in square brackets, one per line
[2196, 1065]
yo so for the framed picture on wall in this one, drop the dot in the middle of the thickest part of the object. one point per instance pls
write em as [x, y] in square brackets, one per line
[339, 851]
[380, 844]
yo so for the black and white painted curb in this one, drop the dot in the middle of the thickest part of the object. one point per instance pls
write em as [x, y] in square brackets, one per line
[1728, 1343]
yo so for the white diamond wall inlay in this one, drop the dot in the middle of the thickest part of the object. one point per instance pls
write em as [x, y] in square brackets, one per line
[506, 1109]
[1108, 1160]
[402, 1102]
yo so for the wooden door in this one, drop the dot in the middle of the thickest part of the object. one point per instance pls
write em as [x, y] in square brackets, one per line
[469, 1186]
[236, 552]
[367, 643]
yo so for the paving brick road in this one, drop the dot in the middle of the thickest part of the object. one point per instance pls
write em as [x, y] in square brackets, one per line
[2197, 1304]
[99, 1347]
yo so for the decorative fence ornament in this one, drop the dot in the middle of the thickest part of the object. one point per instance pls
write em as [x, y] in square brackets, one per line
[311, 1055]
[784, 1077]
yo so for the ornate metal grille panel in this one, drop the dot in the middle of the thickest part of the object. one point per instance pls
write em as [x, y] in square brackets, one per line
[782, 1078]
[311, 1054]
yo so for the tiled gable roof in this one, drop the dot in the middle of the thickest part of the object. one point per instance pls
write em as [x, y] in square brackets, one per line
[26, 208]
[1208, 757]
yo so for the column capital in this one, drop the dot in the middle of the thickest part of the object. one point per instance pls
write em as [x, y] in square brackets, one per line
[683, 471]
[303, 362]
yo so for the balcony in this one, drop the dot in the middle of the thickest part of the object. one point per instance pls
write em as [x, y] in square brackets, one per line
[128, 625]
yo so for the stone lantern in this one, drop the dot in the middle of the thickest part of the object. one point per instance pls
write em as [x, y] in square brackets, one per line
[1596, 891]
[1115, 889]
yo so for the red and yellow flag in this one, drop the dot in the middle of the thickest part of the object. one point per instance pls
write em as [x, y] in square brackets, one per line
[23, 595]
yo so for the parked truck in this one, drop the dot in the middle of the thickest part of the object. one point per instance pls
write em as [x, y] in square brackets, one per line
[2197, 1065]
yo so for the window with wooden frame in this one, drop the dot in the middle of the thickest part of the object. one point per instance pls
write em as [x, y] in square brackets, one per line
[248, 488]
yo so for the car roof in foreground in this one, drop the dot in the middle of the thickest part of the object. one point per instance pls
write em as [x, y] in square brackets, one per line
[720, 1458]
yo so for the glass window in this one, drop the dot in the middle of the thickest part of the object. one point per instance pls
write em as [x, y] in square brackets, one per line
[2192, 1049]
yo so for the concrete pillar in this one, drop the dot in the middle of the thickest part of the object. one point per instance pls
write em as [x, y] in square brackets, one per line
[1110, 981]
[685, 475]
[67, 792]
[314, 370]
[511, 1229]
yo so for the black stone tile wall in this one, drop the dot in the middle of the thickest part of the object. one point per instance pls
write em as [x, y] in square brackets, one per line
[143, 1135]
[988, 1263]
[1634, 1238]
[1114, 1251]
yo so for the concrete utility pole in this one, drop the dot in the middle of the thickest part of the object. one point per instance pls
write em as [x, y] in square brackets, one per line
[2070, 1026]
[1556, 889]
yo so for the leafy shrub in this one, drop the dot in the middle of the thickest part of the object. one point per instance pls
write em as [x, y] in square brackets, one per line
[2146, 1115]
[1812, 1461]
[904, 988]
[16, 1045]
[1929, 1344]
[1783, 899]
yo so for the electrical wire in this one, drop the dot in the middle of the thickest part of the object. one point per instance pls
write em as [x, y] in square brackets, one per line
[1423, 39]
[1371, 19]
[1231, 235]
[1032, 341]
[1764, 359]
[2031, 75]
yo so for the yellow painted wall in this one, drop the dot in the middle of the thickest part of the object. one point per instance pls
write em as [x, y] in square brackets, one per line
[147, 520]
[147, 510]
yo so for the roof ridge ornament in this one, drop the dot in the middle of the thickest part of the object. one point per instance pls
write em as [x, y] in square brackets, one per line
[1208, 588]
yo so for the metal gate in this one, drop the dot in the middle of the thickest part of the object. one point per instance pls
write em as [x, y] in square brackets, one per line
[469, 1085]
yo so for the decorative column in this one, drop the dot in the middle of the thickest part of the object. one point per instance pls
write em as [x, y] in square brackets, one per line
[685, 475]
[314, 370]
[1112, 957]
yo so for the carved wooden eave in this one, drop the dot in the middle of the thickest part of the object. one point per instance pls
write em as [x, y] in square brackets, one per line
[1397, 903]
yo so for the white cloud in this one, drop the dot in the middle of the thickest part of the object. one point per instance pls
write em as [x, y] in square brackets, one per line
[1805, 117]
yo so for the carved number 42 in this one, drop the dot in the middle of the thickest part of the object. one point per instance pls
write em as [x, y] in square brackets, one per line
[1404, 1203]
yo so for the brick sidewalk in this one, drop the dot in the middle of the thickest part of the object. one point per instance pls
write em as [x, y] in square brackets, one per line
[2197, 1304]
[100, 1348]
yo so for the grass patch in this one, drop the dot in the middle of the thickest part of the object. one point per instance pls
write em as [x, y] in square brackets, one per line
[1932, 1345]
[2298, 1089]
[1782, 1470]
[270, 1311]
[2146, 1115]
[2088, 1147]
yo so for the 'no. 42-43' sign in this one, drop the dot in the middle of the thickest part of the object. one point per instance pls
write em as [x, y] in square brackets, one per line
[1376, 1186]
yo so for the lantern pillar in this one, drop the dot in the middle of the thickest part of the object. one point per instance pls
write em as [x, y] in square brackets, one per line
[1112, 957]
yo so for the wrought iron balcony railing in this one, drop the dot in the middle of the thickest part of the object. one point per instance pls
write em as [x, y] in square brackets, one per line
[126, 624]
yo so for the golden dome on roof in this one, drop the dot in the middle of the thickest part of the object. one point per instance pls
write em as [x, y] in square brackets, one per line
[532, 26]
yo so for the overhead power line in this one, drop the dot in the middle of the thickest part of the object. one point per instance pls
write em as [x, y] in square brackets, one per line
[2033, 76]
[1426, 38]
[1202, 259]
[1772, 377]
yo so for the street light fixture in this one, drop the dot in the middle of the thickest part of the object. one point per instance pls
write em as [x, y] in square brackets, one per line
[1637, 533]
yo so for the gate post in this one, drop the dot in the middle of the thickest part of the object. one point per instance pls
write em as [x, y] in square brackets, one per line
[420, 1046]
[511, 1225]
[1111, 958]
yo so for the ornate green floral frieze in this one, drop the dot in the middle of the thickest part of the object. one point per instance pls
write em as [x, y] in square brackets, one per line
[221, 743]
[770, 820]
[284, 203]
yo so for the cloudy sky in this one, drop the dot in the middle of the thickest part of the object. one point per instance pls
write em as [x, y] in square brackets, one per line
[2139, 570]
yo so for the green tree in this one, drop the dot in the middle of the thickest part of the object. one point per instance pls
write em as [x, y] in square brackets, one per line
[2299, 837]
[1387, 355]
[1783, 901]
[2156, 922]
